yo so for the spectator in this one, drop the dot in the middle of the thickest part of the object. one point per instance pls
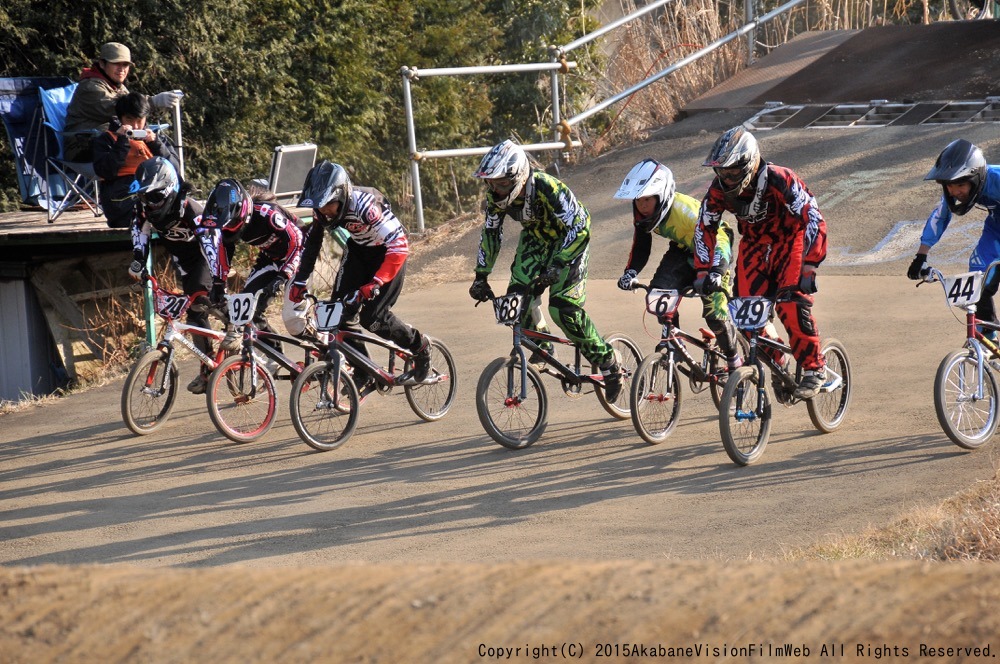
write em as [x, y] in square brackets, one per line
[93, 103]
[118, 152]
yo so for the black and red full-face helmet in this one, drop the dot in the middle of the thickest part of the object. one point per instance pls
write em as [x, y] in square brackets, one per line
[961, 161]
[228, 208]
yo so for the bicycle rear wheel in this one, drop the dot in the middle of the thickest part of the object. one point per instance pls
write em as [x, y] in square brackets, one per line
[324, 416]
[655, 398]
[242, 400]
[628, 355]
[968, 420]
[513, 422]
[149, 393]
[745, 416]
[431, 399]
[827, 409]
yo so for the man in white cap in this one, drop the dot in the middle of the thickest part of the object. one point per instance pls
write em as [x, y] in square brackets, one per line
[93, 103]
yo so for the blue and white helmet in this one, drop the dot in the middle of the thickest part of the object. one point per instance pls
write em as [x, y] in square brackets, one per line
[649, 178]
[505, 169]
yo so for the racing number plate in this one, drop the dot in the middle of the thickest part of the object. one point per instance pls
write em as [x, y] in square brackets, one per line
[241, 307]
[170, 305]
[963, 289]
[508, 308]
[661, 302]
[328, 315]
[749, 313]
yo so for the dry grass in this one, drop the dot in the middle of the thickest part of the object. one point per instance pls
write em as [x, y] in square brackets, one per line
[964, 527]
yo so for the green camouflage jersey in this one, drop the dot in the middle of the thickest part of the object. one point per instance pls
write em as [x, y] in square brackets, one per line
[550, 215]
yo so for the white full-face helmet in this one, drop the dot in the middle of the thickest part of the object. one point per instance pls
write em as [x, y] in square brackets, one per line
[649, 178]
[505, 170]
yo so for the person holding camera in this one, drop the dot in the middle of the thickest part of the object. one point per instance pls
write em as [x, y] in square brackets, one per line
[93, 103]
[118, 153]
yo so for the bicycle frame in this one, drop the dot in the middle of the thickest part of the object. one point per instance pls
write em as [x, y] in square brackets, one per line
[674, 340]
[975, 340]
[789, 382]
[175, 331]
[531, 339]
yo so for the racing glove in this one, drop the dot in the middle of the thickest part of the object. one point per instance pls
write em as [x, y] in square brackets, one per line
[807, 280]
[708, 283]
[297, 291]
[137, 270]
[480, 290]
[916, 267]
[627, 279]
[550, 275]
[370, 290]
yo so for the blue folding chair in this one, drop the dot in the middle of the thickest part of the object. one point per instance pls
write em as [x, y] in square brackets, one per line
[68, 184]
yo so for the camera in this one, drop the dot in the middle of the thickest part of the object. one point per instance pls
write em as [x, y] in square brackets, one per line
[137, 134]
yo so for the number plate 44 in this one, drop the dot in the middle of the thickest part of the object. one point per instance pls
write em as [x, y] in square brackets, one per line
[963, 289]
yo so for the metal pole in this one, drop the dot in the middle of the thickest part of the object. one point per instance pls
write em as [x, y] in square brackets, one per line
[748, 16]
[411, 137]
[177, 133]
[554, 78]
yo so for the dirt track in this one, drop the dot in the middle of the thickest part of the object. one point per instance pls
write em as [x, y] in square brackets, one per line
[418, 542]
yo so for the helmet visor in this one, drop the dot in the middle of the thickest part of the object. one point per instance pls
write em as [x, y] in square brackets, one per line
[500, 186]
[730, 175]
[153, 200]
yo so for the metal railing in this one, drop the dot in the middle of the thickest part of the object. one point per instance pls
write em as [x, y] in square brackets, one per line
[560, 65]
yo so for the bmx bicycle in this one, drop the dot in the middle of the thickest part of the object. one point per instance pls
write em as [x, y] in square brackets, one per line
[325, 397]
[150, 390]
[965, 386]
[745, 405]
[241, 394]
[657, 384]
[511, 400]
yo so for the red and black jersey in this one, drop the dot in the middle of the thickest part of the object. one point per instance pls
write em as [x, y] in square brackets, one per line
[780, 209]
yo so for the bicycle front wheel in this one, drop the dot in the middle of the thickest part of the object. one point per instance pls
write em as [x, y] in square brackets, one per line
[149, 393]
[628, 355]
[242, 400]
[968, 420]
[431, 399]
[827, 409]
[655, 398]
[745, 416]
[323, 414]
[510, 420]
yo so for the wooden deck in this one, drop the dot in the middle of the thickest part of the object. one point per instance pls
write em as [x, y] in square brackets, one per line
[31, 228]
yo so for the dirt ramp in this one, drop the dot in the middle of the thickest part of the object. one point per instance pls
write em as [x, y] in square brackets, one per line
[469, 613]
